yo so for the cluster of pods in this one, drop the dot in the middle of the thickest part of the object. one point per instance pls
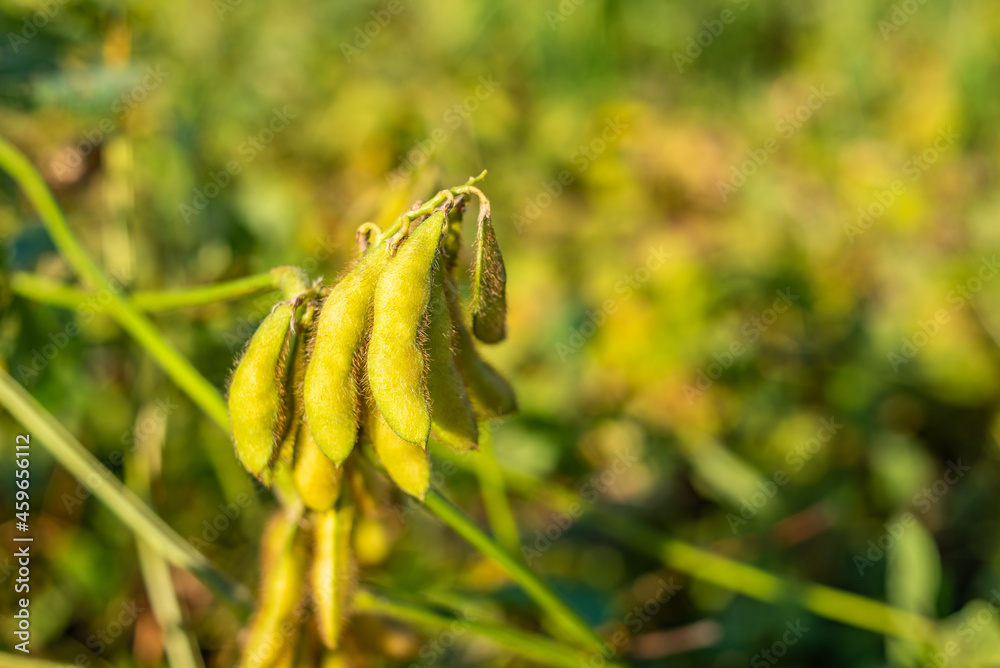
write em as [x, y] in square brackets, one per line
[373, 366]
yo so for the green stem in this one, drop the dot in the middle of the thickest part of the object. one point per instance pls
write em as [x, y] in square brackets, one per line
[562, 615]
[834, 604]
[840, 606]
[498, 509]
[202, 295]
[8, 660]
[533, 647]
[146, 524]
[179, 644]
[47, 291]
[428, 206]
[138, 326]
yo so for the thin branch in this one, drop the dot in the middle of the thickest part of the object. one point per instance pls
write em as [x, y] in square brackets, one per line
[201, 391]
[136, 515]
[494, 493]
[834, 604]
[567, 620]
[528, 645]
[48, 291]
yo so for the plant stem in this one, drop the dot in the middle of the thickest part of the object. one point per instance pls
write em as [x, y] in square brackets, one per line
[494, 493]
[827, 602]
[8, 660]
[47, 291]
[428, 206]
[840, 606]
[146, 524]
[561, 614]
[528, 645]
[179, 644]
[201, 391]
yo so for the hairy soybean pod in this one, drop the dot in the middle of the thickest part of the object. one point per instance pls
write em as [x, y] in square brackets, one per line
[489, 392]
[293, 393]
[283, 564]
[489, 283]
[257, 411]
[316, 477]
[332, 572]
[452, 419]
[452, 242]
[330, 391]
[406, 463]
[395, 356]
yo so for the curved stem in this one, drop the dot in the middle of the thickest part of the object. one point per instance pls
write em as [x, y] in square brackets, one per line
[528, 645]
[495, 500]
[567, 620]
[840, 606]
[179, 644]
[827, 602]
[47, 291]
[428, 206]
[121, 501]
[196, 386]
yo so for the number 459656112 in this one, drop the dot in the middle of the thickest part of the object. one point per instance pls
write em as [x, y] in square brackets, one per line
[22, 474]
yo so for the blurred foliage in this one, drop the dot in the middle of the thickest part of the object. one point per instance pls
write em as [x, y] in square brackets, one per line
[728, 339]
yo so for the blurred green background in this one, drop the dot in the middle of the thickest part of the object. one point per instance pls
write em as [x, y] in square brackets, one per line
[751, 245]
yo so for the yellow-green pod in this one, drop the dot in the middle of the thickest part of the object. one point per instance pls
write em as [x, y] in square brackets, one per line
[332, 572]
[395, 356]
[489, 392]
[257, 411]
[330, 391]
[287, 657]
[293, 390]
[452, 242]
[371, 542]
[316, 477]
[406, 463]
[489, 283]
[284, 559]
[452, 419]
[333, 660]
